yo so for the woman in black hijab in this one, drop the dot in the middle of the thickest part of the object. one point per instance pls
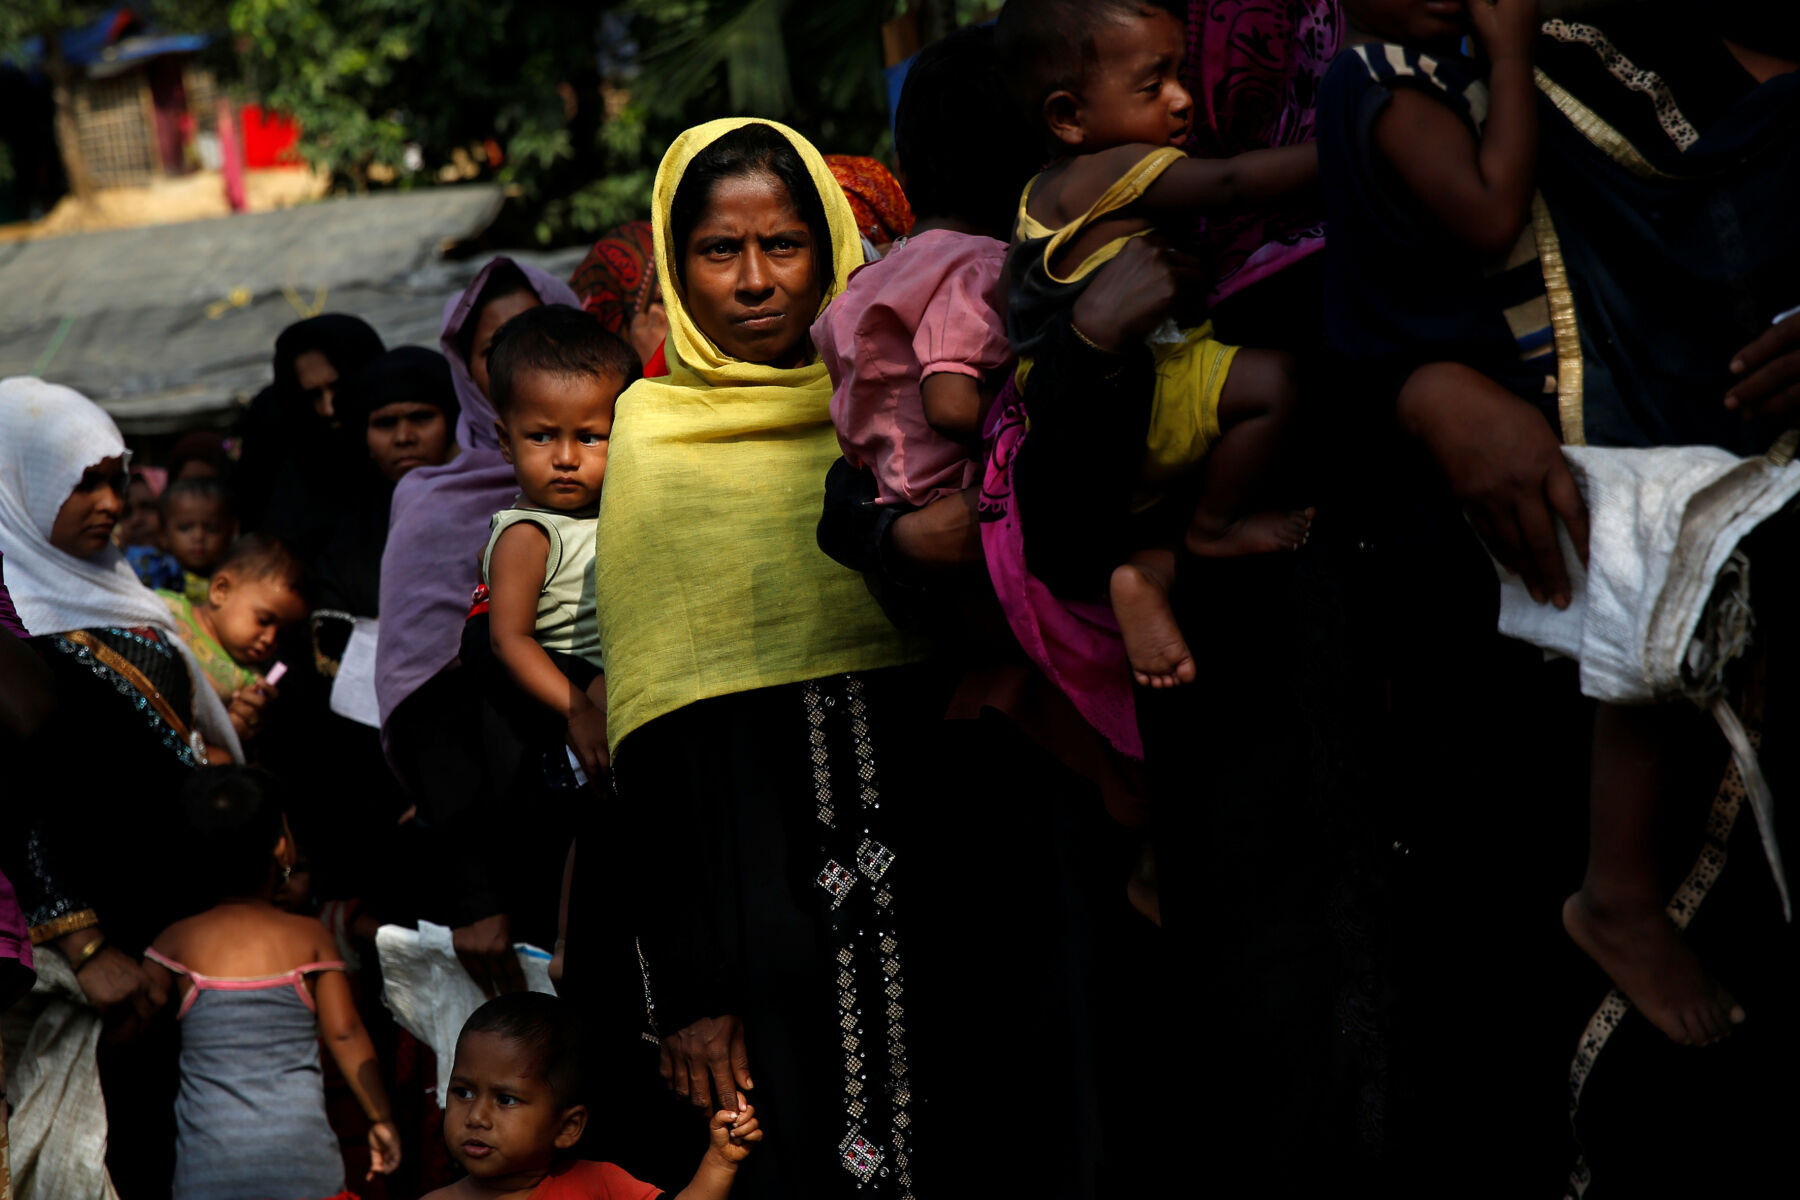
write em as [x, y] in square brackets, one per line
[398, 412]
[295, 452]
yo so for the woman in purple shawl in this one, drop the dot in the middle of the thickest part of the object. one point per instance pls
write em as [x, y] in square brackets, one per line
[432, 719]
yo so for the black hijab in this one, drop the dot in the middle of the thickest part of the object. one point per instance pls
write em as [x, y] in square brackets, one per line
[294, 461]
[349, 567]
[406, 374]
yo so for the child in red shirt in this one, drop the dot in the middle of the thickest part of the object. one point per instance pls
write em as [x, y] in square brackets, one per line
[514, 1114]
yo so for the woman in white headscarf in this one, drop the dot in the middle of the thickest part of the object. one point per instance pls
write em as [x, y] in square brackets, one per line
[95, 856]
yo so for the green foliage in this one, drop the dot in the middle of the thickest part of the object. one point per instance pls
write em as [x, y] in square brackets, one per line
[580, 98]
[813, 65]
[366, 78]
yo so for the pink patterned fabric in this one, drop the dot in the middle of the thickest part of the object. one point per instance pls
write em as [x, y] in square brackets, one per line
[1076, 644]
[15, 935]
[1254, 68]
[928, 308]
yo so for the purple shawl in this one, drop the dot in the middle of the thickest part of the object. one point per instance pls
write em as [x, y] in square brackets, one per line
[1254, 68]
[440, 521]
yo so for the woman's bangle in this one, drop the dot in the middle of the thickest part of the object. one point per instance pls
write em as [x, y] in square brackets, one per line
[87, 952]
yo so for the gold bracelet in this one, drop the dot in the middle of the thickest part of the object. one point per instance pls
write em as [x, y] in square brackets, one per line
[1076, 330]
[86, 952]
[49, 931]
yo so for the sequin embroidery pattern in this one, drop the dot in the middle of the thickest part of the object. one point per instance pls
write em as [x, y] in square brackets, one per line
[855, 880]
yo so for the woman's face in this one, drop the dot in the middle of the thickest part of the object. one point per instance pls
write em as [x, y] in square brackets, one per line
[752, 278]
[405, 435]
[498, 312]
[84, 523]
[318, 381]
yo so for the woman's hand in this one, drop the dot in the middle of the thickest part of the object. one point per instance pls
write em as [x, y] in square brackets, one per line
[587, 738]
[945, 533]
[1506, 468]
[1769, 369]
[707, 1062]
[113, 982]
[384, 1149]
[647, 330]
[1132, 294]
[245, 708]
[486, 951]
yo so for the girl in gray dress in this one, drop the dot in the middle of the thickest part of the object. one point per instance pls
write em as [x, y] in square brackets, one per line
[257, 987]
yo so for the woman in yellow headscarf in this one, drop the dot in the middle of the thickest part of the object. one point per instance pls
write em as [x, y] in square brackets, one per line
[766, 725]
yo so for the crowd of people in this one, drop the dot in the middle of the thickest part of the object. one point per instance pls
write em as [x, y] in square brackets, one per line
[980, 679]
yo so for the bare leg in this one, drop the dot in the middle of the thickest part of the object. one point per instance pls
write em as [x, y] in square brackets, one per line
[1256, 414]
[1159, 655]
[1617, 917]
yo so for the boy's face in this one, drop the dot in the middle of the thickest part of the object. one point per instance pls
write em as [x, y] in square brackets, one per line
[1411, 22]
[248, 613]
[555, 433]
[198, 532]
[1133, 91]
[502, 1121]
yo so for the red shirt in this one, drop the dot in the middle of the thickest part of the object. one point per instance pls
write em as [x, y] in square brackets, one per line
[583, 1180]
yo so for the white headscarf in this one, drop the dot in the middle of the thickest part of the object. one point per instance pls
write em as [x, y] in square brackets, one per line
[49, 436]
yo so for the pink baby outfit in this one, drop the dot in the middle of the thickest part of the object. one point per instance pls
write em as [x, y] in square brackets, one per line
[929, 307]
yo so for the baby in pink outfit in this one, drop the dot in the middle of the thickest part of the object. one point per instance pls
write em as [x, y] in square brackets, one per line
[917, 344]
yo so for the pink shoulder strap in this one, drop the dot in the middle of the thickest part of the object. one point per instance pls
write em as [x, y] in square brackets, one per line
[295, 978]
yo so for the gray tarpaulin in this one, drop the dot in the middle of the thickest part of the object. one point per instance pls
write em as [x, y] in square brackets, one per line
[167, 326]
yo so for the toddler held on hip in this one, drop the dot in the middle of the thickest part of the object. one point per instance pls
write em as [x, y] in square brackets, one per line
[554, 374]
[916, 345]
[1103, 80]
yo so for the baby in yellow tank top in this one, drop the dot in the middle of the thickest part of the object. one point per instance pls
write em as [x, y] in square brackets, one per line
[1104, 76]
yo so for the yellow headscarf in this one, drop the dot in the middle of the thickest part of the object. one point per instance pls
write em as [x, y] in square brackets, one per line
[708, 578]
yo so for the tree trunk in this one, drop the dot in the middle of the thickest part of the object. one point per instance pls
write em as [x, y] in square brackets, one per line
[68, 132]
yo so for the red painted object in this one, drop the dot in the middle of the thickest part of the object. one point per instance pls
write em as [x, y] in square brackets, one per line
[269, 138]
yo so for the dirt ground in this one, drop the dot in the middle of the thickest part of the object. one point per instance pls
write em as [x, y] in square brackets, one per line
[184, 198]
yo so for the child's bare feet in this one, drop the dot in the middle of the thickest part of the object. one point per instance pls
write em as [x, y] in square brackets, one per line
[1159, 654]
[1258, 533]
[1649, 960]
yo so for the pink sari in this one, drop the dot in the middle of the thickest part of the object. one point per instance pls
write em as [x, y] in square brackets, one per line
[1076, 644]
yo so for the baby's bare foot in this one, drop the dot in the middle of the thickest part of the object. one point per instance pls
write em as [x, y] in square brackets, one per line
[1649, 960]
[1258, 533]
[1159, 654]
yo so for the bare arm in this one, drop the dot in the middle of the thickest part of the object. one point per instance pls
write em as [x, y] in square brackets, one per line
[351, 1048]
[516, 577]
[1478, 190]
[953, 404]
[1256, 178]
[732, 1134]
[349, 1043]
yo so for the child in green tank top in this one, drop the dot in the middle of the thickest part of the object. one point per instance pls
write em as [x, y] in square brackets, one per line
[554, 374]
